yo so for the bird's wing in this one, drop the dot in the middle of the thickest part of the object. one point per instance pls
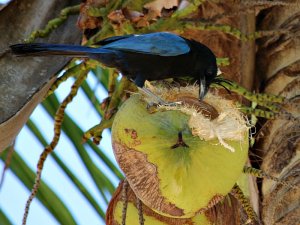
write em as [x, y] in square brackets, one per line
[162, 44]
[112, 39]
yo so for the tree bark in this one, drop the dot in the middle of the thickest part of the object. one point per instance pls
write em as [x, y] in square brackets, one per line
[23, 78]
[278, 62]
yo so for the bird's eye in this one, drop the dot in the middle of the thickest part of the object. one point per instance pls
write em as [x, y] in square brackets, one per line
[209, 72]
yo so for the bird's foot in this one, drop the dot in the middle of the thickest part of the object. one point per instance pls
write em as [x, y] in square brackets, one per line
[153, 107]
[155, 101]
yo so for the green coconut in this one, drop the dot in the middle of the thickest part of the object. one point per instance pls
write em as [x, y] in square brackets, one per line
[178, 160]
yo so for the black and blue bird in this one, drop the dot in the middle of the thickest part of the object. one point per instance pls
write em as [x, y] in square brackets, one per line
[153, 56]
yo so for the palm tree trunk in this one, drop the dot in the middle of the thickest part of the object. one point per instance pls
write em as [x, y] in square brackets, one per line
[278, 67]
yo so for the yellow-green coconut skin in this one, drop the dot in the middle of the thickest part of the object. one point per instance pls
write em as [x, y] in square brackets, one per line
[189, 180]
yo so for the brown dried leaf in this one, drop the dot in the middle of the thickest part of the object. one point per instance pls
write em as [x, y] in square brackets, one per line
[158, 5]
[183, 4]
[85, 21]
[96, 3]
[133, 16]
[88, 22]
[116, 16]
[142, 23]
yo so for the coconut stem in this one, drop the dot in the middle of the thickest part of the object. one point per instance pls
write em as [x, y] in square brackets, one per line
[239, 195]
[125, 201]
[140, 210]
[261, 174]
[180, 142]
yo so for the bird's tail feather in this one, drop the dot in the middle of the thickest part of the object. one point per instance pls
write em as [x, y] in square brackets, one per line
[42, 49]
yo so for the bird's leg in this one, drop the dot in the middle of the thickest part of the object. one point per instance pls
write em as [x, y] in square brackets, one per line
[203, 87]
[156, 100]
[139, 81]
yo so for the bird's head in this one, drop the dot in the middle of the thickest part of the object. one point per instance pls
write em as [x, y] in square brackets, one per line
[205, 69]
[206, 79]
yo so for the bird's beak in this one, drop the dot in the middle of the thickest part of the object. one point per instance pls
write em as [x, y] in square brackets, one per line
[203, 89]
